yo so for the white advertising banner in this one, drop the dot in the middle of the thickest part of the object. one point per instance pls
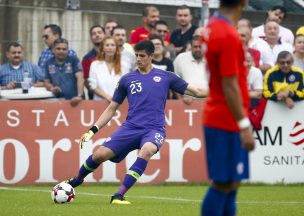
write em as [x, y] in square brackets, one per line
[279, 153]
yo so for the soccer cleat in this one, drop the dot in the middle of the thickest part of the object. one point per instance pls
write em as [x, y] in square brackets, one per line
[73, 182]
[119, 199]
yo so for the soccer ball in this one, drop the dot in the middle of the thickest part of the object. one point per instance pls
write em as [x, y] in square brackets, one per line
[63, 193]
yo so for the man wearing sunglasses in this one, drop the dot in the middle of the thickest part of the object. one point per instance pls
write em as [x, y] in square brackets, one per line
[284, 82]
[162, 29]
[51, 33]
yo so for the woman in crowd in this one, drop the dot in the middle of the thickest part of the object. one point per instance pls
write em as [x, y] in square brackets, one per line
[298, 54]
[106, 70]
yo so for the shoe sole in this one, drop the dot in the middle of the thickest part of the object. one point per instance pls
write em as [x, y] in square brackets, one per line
[118, 202]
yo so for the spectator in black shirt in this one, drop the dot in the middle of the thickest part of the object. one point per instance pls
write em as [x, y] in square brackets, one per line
[180, 37]
[159, 61]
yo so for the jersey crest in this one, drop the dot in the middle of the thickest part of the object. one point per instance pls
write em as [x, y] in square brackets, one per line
[157, 79]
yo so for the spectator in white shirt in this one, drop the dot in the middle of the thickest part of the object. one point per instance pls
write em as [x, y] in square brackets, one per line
[254, 78]
[257, 44]
[128, 59]
[190, 66]
[273, 40]
[298, 55]
[106, 71]
[278, 14]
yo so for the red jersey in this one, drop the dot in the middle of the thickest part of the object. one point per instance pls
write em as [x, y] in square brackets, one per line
[87, 61]
[256, 56]
[141, 33]
[225, 57]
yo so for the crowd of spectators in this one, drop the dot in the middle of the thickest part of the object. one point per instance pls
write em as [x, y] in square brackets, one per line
[277, 51]
[274, 57]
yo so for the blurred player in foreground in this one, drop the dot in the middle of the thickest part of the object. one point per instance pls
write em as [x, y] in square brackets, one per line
[226, 125]
[146, 90]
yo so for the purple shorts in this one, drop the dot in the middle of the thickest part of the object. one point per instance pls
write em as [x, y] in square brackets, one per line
[126, 139]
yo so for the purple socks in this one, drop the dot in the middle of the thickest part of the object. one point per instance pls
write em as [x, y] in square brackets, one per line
[133, 174]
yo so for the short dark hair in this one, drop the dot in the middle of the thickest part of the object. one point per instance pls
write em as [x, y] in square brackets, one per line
[117, 27]
[147, 10]
[161, 22]
[183, 7]
[13, 44]
[158, 37]
[96, 26]
[229, 3]
[281, 8]
[59, 41]
[56, 30]
[145, 45]
[195, 38]
[284, 54]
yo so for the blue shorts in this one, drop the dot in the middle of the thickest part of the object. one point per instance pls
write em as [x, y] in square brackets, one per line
[126, 139]
[227, 160]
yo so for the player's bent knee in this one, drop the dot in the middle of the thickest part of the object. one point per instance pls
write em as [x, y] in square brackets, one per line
[102, 154]
[147, 151]
[146, 154]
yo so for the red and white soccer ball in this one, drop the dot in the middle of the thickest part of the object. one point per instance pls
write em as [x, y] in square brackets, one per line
[63, 193]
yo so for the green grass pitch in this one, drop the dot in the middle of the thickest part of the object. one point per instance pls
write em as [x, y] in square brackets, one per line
[167, 200]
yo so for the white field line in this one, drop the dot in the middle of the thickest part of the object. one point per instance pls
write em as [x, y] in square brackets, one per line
[161, 198]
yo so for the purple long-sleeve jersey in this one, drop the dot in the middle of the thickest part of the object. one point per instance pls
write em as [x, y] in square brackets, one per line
[147, 94]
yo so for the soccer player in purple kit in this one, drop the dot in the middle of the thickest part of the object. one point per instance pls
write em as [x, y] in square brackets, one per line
[146, 89]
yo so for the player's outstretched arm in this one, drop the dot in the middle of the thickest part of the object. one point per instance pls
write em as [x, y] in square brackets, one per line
[104, 118]
[107, 115]
[196, 92]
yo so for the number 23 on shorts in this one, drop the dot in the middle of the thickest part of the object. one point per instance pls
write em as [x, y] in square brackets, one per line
[158, 138]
